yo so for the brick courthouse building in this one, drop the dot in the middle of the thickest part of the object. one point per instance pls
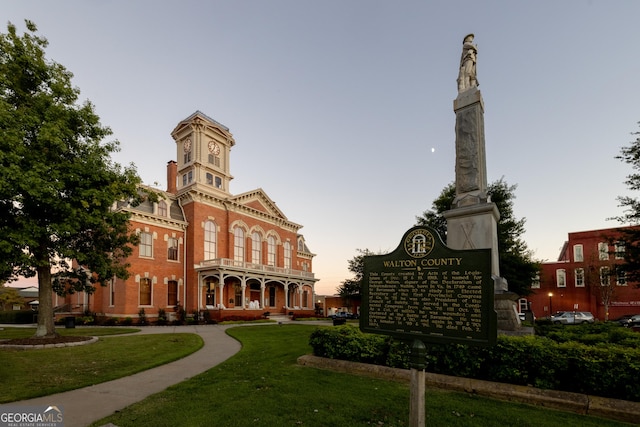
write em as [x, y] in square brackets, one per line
[585, 276]
[204, 248]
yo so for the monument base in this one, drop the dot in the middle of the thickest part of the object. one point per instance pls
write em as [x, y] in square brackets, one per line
[475, 227]
[506, 308]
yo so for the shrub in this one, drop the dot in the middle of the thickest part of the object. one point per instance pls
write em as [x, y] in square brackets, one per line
[142, 317]
[560, 364]
[127, 321]
[20, 317]
[162, 317]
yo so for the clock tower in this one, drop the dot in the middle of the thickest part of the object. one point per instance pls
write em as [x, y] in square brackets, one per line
[203, 146]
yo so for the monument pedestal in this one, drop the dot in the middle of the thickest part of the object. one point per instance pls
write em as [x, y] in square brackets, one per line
[475, 227]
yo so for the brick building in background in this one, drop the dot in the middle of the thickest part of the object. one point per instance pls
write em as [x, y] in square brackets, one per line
[585, 277]
[205, 249]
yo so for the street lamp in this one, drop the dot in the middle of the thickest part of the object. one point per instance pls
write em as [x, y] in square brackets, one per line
[550, 304]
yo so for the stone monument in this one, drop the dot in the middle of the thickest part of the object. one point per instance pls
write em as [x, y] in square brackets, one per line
[472, 220]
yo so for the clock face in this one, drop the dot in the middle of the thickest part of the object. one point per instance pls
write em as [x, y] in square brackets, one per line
[187, 145]
[214, 148]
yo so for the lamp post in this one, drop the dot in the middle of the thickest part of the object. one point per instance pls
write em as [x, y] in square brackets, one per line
[550, 305]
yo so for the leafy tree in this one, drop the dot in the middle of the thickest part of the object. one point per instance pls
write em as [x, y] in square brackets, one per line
[350, 288]
[516, 263]
[9, 297]
[57, 182]
[631, 214]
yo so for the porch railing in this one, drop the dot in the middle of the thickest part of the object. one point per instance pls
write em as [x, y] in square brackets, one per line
[260, 268]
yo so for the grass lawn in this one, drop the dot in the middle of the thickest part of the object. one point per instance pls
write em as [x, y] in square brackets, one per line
[263, 386]
[32, 373]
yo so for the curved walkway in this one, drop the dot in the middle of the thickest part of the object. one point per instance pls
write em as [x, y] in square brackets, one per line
[83, 406]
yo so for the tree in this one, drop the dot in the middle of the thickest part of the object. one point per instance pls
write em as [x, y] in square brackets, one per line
[516, 262]
[9, 297]
[350, 288]
[597, 276]
[57, 181]
[631, 213]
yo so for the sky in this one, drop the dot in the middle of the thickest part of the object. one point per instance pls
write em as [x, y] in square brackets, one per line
[342, 110]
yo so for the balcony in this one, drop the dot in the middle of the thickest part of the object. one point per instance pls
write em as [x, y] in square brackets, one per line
[249, 267]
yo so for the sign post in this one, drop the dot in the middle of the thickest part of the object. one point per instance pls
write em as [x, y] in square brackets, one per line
[424, 291]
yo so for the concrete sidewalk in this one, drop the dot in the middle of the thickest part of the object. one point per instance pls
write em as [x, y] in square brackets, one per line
[83, 406]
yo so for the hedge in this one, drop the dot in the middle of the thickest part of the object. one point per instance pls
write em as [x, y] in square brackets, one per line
[608, 371]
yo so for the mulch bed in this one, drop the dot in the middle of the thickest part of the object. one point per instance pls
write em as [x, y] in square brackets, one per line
[43, 341]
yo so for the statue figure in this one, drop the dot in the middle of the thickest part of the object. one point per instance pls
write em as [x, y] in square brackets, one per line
[467, 76]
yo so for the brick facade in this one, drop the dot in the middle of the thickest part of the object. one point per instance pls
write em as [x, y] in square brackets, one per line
[575, 281]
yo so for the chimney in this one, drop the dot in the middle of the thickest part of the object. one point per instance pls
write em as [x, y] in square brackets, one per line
[172, 177]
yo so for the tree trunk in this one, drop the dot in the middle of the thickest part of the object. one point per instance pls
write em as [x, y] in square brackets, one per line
[46, 327]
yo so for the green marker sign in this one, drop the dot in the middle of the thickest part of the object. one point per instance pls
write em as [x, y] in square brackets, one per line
[426, 291]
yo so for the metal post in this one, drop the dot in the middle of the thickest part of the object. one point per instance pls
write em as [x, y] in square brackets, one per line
[417, 414]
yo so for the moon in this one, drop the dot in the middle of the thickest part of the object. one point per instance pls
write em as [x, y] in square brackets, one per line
[433, 150]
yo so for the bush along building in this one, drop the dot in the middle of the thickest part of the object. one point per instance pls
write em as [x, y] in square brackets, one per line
[586, 277]
[204, 250]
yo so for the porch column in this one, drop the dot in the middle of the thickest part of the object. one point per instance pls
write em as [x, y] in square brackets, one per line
[262, 304]
[286, 295]
[221, 286]
[243, 285]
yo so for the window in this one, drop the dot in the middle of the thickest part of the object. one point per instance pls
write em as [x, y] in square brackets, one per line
[272, 296]
[256, 248]
[578, 253]
[523, 305]
[214, 160]
[287, 255]
[535, 283]
[579, 277]
[621, 277]
[218, 182]
[146, 245]
[604, 276]
[620, 250]
[162, 208]
[209, 240]
[112, 292]
[209, 179]
[172, 292]
[145, 291]
[172, 248]
[603, 251]
[271, 250]
[210, 288]
[561, 278]
[305, 299]
[187, 156]
[238, 244]
[300, 245]
[238, 301]
[187, 178]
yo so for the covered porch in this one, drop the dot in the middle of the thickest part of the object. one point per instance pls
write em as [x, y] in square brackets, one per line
[228, 289]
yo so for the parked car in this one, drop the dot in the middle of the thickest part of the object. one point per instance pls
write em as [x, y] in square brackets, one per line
[624, 320]
[633, 321]
[573, 318]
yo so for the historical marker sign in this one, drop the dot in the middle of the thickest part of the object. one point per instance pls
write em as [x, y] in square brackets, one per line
[426, 291]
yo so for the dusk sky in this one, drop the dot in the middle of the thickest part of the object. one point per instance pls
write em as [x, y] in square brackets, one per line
[342, 110]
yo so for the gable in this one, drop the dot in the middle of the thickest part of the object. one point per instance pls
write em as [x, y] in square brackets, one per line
[259, 201]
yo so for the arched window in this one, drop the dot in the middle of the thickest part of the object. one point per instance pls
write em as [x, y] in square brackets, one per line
[210, 240]
[256, 248]
[162, 208]
[238, 244]
[271, 250]
[287, 255]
